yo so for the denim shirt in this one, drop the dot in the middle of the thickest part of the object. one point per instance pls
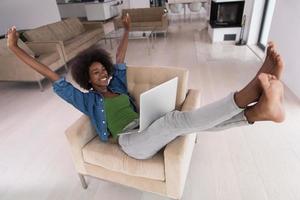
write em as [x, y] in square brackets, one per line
[91, 103]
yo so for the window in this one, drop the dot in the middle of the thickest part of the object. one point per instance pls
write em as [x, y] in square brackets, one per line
[266, 23]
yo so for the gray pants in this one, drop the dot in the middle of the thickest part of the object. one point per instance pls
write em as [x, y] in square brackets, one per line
[219, 115]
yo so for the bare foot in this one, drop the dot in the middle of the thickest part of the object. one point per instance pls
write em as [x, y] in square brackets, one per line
[270, 104]
[273, 63]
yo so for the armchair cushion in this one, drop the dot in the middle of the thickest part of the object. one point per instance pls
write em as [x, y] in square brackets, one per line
[113, 158]
[141, 79]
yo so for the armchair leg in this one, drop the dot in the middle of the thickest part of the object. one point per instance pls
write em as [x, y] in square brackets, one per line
[40, 85]
[82, 180]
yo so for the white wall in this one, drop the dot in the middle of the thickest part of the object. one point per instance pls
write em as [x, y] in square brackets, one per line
[255, 21]
[139, 4]
[72, 10]
[248, 9]
[25, 14]
[285, 31]
[125, 5]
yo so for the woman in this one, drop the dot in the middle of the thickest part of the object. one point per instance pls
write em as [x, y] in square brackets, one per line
[112, 111]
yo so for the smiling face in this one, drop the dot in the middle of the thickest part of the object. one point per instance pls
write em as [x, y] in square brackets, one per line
[99, 77]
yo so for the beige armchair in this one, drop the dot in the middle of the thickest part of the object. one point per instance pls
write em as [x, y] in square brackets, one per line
[165, 173]
[13, 69]
[143, 19]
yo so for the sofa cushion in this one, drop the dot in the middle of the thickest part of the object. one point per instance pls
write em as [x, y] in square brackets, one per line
[61, 31]
[42, 33]
[111, 157]
[73, 43]
[74, 25]
[4, 51]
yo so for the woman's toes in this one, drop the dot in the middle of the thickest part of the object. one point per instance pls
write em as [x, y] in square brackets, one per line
[264, 80]
[273, 77]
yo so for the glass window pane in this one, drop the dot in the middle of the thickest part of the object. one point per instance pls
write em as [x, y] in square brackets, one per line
[263, 40]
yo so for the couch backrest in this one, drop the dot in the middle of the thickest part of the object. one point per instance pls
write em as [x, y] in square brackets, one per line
[74, 25]
[62, 30]
[42, 33]
[144, 14]
[141, 79]
[4, 51]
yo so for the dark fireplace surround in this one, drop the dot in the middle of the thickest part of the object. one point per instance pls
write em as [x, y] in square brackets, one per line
[226, 14]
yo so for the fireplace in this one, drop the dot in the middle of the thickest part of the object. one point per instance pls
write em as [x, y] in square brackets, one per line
[226, 13]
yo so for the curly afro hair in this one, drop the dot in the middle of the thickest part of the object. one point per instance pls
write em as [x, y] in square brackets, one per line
[81, 63]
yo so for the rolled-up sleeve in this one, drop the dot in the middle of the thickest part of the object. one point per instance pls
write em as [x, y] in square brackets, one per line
[120, 66]
[71, 94]
[119, 77]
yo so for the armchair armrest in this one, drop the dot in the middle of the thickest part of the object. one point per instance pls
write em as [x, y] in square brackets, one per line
[78, 135]
[40, 47]
[43, 47]
[164, 20]
[13, 69]
[178, 153]
[192, 100]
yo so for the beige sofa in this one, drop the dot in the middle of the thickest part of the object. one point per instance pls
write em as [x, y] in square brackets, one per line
[145, 19]
[166, 172]
[72, 34]
[12, 69]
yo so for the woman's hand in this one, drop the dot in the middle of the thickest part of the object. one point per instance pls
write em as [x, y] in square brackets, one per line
[12, 38]
[126, 22]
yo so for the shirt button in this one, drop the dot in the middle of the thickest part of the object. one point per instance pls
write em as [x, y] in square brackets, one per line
[102, 110]
[101, 100]
[104, 133]
[103, 122]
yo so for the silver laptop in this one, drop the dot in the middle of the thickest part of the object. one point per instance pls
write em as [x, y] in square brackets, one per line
[157, 102]
[154, 103]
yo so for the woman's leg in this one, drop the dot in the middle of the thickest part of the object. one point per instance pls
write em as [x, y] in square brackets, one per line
[145, 144]
[236, 121]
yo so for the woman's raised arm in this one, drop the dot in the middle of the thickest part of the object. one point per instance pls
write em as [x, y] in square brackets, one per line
[12, 43]
[121, 51]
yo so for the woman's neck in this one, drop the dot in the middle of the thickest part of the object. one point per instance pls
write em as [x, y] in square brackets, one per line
[101, 90]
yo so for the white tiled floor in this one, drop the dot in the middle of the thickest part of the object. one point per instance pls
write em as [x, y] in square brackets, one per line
[260, 162]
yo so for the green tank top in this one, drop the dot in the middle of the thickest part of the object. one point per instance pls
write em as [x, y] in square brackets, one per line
[119, 113]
